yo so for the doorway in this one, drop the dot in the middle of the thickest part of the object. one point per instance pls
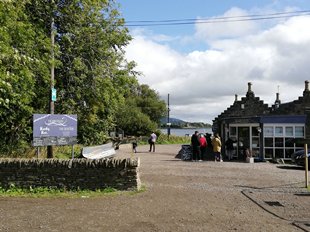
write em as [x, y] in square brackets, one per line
[243, 141]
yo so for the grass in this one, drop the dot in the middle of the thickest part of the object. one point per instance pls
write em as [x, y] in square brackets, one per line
[45, 192]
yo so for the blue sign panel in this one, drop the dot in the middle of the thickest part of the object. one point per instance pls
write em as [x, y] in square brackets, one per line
[54, 129]
[54, 94]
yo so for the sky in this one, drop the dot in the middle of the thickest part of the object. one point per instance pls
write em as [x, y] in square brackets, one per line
[203, 64]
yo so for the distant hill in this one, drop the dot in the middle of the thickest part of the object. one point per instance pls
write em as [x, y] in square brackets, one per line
[178, 123]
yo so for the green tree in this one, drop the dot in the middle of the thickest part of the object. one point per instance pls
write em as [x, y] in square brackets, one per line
[21, 65]
[91, 74]
[150, 103]
[142, 111]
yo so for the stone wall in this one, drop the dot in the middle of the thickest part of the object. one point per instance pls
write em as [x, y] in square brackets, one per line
[70, 174]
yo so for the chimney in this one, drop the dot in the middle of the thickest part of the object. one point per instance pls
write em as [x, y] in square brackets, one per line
[250, 93]
[277, 101]
[307, 86]
[236, 97]
[249, 87]
[306, 91]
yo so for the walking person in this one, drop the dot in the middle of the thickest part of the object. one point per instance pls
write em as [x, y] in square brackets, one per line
[217, 145]
[195, 143]
[203, 146]
[152, 141]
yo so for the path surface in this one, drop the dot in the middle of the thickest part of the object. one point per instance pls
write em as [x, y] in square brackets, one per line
[179, 196]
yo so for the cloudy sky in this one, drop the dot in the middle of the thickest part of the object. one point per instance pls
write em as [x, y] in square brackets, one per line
[220, 46]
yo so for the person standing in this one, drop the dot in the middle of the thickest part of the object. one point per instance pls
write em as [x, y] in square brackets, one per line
[134, 146]
[152, 141]
[195, 143]
[217, 145]
[203, 146]
[229, 148]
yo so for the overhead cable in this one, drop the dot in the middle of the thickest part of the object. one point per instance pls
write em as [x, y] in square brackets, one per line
[240, 18]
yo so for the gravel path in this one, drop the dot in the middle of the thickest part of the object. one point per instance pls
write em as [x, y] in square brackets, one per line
[179, 196]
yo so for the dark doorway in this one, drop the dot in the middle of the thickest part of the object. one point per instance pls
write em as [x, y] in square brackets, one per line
[243, 141]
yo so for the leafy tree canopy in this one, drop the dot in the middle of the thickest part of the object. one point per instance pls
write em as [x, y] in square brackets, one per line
[92, 77]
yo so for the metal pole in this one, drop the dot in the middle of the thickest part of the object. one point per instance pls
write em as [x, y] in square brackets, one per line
[168, 119]
[306, 165]
[72, 151]
[52, 107]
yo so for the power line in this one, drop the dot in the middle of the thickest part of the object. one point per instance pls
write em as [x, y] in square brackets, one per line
[240, 18]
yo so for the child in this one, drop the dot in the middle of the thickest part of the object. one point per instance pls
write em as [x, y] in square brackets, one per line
[134, 146]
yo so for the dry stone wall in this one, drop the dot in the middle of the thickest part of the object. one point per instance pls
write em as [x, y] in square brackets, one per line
[70, 174]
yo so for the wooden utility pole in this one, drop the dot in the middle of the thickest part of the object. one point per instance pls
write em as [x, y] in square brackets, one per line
[52, 106]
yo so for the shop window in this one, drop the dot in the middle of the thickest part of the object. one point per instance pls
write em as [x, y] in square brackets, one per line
[279, 153]
[279, 142]
[268, 142]
[255, 142]
[299, 131]
[278, 131]
[288, 153]
[255, 131]
[255, 152]
[289, 132]
[268, 131]
[268, 153]
[289, 142]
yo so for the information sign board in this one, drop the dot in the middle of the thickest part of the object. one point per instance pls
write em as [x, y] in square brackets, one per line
[54, 129]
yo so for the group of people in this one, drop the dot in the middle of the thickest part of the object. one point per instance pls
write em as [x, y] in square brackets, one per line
[199, 145]
[151, 141]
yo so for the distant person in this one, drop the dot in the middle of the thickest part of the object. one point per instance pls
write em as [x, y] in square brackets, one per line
[134, 146]
[195, 143]
[229, 148]
[152, 141]
[203, 145]
[217, 146]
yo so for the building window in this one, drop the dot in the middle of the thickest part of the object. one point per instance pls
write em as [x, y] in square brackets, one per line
[289, 131]
[279, 140]
[299, 131]
[268, 131]
[268, 153]
[278, 131]
[268, 142]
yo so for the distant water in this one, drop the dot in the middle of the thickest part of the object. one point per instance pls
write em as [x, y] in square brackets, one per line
[183, 132]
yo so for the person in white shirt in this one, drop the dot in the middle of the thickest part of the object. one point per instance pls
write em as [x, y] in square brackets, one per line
[152, 141]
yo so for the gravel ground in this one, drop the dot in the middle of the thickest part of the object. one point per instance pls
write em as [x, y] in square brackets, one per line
[179, 196]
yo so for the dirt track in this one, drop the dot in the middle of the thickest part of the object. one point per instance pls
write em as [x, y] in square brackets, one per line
[179, 196]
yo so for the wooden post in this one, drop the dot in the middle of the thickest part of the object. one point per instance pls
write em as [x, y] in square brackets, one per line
[306, 165]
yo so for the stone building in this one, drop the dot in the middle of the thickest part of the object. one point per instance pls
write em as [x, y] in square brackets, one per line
[265, 132]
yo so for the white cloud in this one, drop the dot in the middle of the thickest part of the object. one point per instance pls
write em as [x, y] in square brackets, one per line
[203, 83]
[227, 29]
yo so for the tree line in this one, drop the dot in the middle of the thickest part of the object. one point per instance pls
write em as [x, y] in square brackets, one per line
[92, 77]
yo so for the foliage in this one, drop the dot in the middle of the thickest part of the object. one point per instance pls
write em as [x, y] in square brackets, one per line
[22, 57]
[50, 192]
[142, 111]
[92, 77]
[173, 139]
